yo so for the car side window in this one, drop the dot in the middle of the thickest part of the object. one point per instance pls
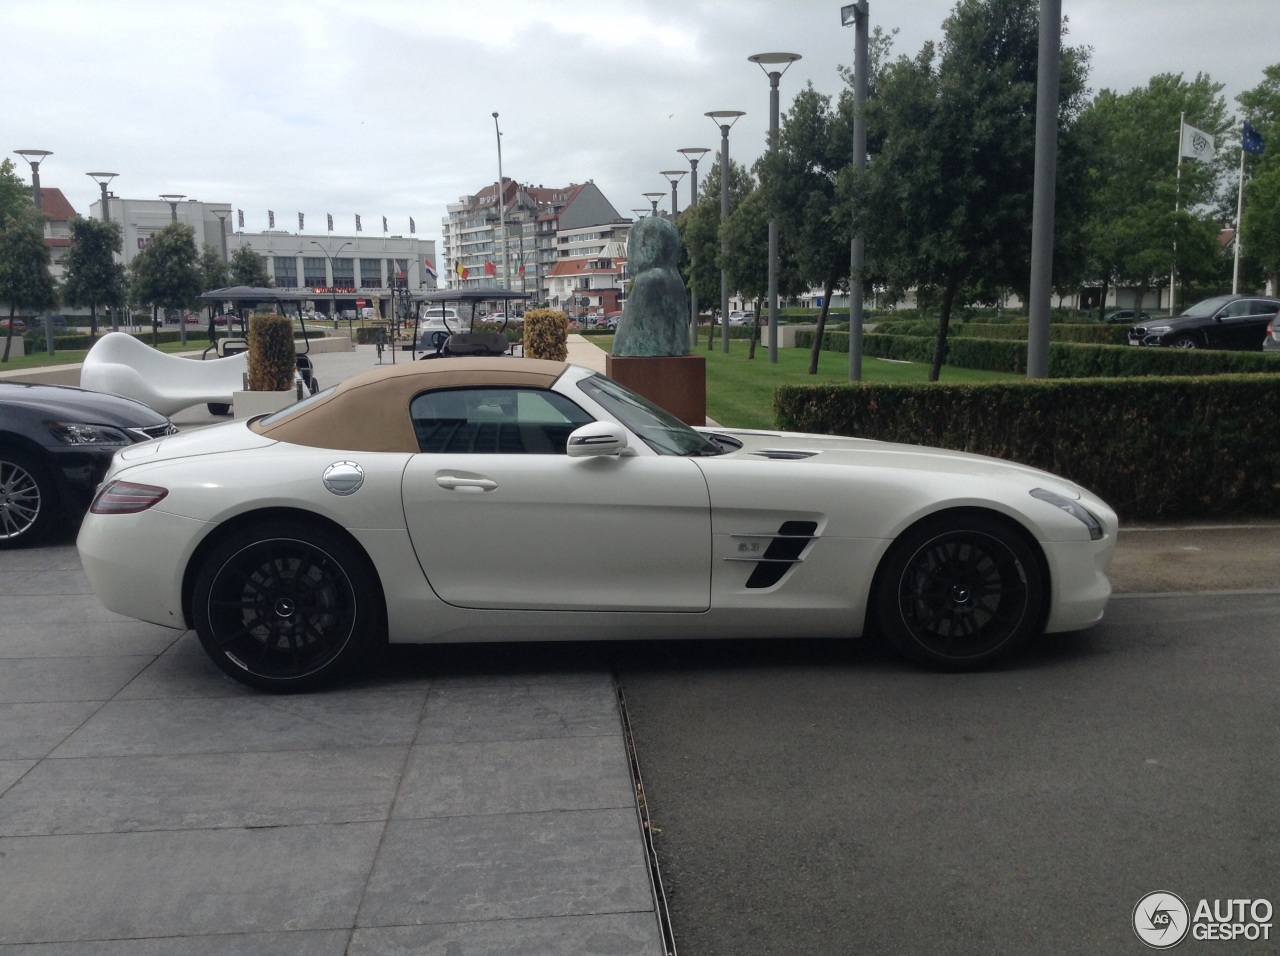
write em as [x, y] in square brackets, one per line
[494, 421]
[1240, 307]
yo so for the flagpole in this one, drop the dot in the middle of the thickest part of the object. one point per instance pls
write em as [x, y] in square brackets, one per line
[1235, 272]
[1182, 122]
[502, 211]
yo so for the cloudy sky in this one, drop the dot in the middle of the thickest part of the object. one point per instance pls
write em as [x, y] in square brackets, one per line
[384, 107]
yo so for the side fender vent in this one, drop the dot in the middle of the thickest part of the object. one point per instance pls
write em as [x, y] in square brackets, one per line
[785, 548]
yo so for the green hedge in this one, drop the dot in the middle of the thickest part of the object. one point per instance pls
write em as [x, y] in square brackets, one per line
[1094, 333]
[1066, 359]
[1152, 448]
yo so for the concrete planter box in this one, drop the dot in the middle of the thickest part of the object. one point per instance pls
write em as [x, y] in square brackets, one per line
[249, 404]
[17, 345]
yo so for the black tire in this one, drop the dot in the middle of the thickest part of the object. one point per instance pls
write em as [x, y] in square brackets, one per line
[284, 607]
[313, 385]
[29, 504]
[960, 592]
[1183, 342]
[219, 408]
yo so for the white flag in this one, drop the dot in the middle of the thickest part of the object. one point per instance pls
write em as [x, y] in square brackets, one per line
[1197, 144]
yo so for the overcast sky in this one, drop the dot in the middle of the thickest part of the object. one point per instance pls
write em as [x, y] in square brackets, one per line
[384, 107]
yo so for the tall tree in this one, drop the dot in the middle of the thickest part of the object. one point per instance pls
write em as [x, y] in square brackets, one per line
[25, 280]
[945, 203]
[249, 268]
[1260, 224]
[214, 273]
[92, 275]
[165, 273]
[14, 193]
[700, 231]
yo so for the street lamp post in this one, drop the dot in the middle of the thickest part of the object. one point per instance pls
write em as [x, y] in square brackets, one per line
[764, 61]
[653, 199]
[693, 154]
[222, 215]
[333, 294]
[725, 120]
[502, 211]
[674, 176]
[173, 199]
[102, 179]
[640, 213]
[35, 157]
[858, 14]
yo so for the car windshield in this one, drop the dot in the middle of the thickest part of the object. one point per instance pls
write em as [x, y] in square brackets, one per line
[658, 429]
[1207, 307]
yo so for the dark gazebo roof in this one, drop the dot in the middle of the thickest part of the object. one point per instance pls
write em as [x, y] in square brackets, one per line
[248, 293]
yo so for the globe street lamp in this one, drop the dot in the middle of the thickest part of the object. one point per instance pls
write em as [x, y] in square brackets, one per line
[35, 157]
[725, 120]
[764, 61]
[102, 179]
[653, 198]
[173, 199]
[674, 176]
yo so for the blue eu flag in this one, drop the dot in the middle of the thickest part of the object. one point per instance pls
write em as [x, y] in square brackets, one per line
[1251, 140]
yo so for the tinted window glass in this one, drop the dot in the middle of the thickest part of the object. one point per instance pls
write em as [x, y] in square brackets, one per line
[494, 421]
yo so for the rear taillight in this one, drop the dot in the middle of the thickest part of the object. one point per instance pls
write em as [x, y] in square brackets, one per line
[126, 498]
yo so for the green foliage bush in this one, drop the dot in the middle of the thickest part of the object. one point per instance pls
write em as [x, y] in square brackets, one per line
[272, 357]
[1089, 332]
[546, 334]
[1175, 447]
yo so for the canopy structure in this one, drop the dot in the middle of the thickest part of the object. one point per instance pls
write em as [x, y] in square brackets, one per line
[248, 293]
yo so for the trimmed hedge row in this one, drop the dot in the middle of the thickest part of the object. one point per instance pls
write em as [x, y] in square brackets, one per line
[1152, 448]
[1066, 359]
[1093, 333]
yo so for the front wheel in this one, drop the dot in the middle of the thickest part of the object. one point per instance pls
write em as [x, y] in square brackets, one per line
[29, 507]
[1184, 342]
[285, 608]
[960, 592]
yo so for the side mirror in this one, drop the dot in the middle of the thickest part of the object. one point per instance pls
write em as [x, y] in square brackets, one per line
[597, 439]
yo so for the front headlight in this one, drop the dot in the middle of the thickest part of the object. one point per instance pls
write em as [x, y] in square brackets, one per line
[80, 433]
[1073, 508]
[1159, 329]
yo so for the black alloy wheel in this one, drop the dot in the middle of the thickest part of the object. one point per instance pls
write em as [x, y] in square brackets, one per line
[1184, 342]
[285, 608]
[960, 592]
[28, 500]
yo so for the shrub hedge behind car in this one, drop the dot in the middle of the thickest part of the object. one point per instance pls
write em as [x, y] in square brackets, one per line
[1153, 448]
[1092, 332]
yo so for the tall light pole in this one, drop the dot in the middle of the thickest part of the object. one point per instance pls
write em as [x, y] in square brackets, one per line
[674, 176]
[858, 14]
[35, 157]
[173, 199]
[222, 215]
[725, 120]
[640, 213]
[693, 154]
[102, 179]
[333, 295]
[502, 211]
[653, 199]
[764, 61]
[1042, 206]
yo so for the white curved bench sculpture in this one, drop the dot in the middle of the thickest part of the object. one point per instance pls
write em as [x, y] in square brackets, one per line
[118, 363]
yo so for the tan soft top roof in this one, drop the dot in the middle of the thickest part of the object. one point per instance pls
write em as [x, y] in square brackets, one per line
[371, 411]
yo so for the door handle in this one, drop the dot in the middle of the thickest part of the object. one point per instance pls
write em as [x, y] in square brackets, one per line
[455, 483]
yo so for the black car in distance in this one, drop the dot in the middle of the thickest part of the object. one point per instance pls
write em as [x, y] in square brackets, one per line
[1236, 322]
[55, 445]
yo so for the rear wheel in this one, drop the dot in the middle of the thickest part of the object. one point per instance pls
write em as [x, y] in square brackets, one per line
[219, 408]
[285, 608]
[960, 592]
[29, 507]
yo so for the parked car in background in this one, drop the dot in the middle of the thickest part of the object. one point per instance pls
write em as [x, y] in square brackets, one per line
[18, 325]
[1125, 317]
[37, 321]
[55, 445]
[1222, 322]
[737, 317]
[1272, 341]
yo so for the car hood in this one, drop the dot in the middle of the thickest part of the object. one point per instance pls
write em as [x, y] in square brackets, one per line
[868, 453]
[82, 405]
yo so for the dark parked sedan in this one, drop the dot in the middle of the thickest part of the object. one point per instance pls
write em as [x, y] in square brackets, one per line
[55, 444]
[1223, 322]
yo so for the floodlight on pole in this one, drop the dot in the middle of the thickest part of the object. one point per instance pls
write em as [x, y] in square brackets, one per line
[500, 198]
[640, 213]
[674, 176]
[859, 15]
[725, 120]
[102, 179]
[333, 294]
[767, 62]
[173, 199]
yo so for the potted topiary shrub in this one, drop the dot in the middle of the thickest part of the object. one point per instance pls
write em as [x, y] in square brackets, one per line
[546, 334]
[271, 380]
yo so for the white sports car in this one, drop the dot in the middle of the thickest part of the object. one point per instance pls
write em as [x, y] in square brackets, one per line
[510, 499]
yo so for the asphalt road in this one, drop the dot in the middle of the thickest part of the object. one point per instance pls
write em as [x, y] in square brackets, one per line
[814, 798]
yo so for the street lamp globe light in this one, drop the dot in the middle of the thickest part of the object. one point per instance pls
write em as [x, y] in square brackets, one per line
[640, 213]
[725, 120]
[34, 157]
[769, 63]
[102, 179]
[693, 154]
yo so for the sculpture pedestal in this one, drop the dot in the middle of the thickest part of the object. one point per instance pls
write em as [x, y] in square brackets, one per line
[676, 383]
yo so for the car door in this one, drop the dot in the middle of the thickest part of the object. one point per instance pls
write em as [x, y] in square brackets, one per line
[501, 517]
[1235, 325]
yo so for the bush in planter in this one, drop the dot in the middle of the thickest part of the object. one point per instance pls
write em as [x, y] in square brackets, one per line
[272, 357]
[546, 334]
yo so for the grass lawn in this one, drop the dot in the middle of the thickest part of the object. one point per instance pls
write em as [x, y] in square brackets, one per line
[740, 390]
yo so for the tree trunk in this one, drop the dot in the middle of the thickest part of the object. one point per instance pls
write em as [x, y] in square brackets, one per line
[944, 322]
[1102, 303]
[8, 333]
[93, 320]
[821, 330]
[755, 331]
